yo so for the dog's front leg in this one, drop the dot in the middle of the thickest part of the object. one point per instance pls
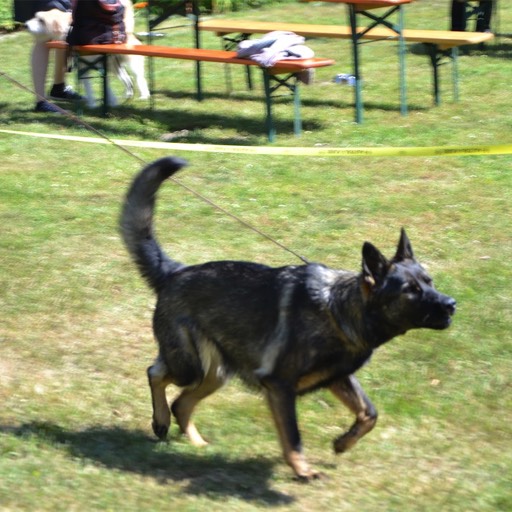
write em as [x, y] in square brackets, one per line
[349, 391]
[281, 399]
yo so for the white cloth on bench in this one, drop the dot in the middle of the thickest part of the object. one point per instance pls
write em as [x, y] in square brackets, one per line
[273, 47]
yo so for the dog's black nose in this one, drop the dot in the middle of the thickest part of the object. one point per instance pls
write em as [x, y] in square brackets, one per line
[451, 305]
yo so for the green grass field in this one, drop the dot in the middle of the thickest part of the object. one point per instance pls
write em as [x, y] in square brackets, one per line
[75, 317]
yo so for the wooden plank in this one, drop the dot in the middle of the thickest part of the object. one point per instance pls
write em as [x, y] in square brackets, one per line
[444, 39]
[195, 54]
[366, 5]
[372, 4]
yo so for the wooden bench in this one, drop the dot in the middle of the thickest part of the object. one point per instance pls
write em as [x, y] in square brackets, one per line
[376, 13]
[439, 44]
[443, 39]
[285, 73]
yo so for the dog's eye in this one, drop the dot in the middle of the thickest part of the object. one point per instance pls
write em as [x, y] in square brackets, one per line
[411, 288]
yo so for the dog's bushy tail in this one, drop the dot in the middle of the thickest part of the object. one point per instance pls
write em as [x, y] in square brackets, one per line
[137, 222]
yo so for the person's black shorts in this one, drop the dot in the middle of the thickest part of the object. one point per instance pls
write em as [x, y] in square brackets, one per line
[24, 10]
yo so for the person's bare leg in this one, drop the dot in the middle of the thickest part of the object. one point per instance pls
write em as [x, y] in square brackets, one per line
[59, 72]
[39, 62]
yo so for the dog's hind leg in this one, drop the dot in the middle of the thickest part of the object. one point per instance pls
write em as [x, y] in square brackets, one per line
[89, 94]
[178, 363]
[136, 65]
[158, 380]
[183, 407]
[115, 63]
[349, 391]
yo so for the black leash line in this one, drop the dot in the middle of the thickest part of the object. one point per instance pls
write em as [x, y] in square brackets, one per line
[197, 194]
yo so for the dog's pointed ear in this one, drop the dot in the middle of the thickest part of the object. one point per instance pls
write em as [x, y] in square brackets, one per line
[404, 249]
[375, 265]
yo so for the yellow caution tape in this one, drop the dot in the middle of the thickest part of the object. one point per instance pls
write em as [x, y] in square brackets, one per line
[500, 149]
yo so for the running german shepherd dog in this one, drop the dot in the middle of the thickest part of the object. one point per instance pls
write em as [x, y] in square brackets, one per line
[286, 331]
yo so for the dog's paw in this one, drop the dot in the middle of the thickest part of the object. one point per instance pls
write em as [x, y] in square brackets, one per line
[309, 476]
[160, 430]
[343, 443]
[303, 471]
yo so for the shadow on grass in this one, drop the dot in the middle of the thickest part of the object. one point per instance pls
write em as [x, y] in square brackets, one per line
[345, 101]
[285, 99]
[170, 118]
[212, 475]
[168, 115]
[499, 49]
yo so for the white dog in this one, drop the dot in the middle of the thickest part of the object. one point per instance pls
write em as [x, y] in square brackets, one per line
[49, 25]
[55, 25]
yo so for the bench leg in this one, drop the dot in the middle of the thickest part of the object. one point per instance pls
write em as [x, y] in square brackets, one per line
[401, 59]
[227, 44]
[228, 79]
[455, 73]
[192, 11]
[76, 63]
[104, 72]
[271, 84]
[357, 35]
[436, 56]
[269, 122]
[248, 77]
[355, 56]
[297, 120]
[98, 64]
[199, 82]
[230, 43]
[151, 73]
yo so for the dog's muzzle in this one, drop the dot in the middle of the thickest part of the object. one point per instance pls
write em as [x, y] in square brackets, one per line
[441, 315]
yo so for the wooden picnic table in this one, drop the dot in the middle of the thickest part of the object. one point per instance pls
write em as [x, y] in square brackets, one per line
[363, 9]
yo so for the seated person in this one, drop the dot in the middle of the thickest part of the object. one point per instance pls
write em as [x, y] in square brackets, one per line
[459, 15]
[97, 22]
[25, 10]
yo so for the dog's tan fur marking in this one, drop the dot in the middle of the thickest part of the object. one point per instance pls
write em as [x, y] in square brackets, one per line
[211, 360]
[279, 336]
[158, 381]
[215, 377]
[311, 380]
[349, 392]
